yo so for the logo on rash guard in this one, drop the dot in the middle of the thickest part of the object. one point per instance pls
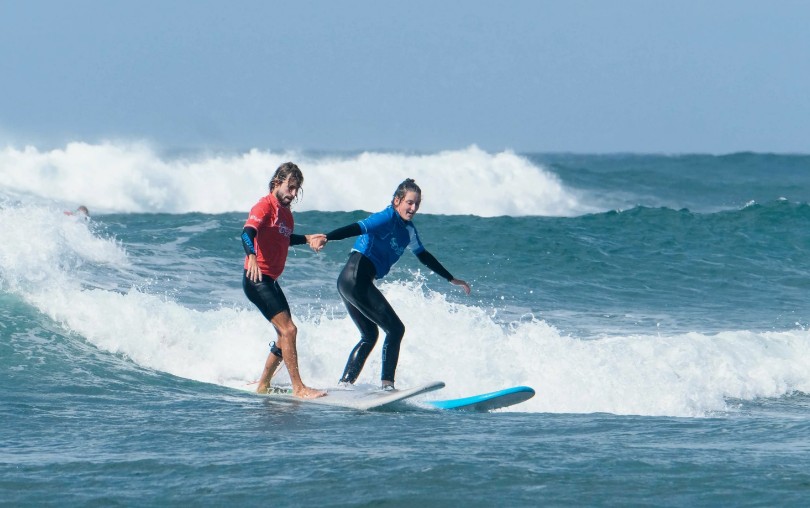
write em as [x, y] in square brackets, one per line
[283, 229]
[395, 246]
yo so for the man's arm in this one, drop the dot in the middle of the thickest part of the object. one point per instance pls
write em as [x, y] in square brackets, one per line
[249, 244]
[314, 241]
[249, 240]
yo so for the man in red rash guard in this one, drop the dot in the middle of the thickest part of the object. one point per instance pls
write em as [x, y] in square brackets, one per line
[267, 237]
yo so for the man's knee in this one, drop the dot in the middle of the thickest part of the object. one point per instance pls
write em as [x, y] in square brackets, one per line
[289, 330]
[284, 326]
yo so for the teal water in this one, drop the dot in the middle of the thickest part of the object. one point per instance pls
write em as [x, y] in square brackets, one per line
[661, 314]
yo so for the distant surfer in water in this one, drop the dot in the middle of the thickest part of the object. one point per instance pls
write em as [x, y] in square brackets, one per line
[266, 238]
[383, 238]
[82, 211]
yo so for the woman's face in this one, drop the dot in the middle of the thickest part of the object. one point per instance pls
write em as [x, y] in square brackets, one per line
[408, 205]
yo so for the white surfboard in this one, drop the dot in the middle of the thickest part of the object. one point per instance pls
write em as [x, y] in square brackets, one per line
[356, 398]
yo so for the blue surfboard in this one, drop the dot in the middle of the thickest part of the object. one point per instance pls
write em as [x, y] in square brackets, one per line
[486, 401]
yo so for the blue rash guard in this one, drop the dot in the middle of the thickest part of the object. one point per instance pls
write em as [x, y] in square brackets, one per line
[384, 239]
[381, 240]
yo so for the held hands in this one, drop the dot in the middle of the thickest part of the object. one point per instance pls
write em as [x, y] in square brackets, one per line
[316, 242]
[459, 282]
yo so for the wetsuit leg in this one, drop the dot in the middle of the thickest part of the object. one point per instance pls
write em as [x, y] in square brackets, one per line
[368, 309]
[368, 338]
[269, 298]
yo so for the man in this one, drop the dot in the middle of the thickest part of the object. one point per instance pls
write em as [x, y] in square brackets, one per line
[266, 238]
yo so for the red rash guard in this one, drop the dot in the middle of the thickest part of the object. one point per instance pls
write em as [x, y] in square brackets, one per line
[274, 225]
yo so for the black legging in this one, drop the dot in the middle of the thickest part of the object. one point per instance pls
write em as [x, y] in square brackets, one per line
[368, 309]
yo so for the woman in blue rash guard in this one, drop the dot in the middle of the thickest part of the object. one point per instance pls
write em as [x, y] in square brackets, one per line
[382, 238]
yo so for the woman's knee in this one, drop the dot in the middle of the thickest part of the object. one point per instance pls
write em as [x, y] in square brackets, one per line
[370, 334]
[395, 330]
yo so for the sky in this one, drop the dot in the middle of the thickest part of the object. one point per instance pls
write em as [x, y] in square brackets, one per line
[645, 76]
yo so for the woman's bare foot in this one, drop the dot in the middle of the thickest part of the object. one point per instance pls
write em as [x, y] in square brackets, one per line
[308, 393]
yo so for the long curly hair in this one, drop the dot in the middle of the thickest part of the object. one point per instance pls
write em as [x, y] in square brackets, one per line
[285, 171]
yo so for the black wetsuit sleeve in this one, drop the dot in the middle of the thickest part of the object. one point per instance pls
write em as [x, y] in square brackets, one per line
[345, 232]
[248, 239]
[431, 262]
[297, 239]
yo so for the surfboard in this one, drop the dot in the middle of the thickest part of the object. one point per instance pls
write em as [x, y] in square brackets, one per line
[486, 401]
[356, 398]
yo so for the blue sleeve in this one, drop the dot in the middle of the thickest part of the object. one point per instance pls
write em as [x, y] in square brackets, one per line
[248, 239]
[415, 243]
[376, 222]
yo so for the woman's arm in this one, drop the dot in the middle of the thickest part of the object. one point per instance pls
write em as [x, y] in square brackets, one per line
[345, 232]
[431, 262]
[318, 241]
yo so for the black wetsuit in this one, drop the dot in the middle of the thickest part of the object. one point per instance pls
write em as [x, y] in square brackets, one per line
[365, 303]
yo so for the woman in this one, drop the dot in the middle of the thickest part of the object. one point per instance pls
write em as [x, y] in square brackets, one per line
[383, 238]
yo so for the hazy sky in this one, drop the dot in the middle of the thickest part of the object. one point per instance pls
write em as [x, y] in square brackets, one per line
[581, 76]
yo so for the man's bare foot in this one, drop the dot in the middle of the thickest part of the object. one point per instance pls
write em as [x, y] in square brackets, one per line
[262, 388]
[308, 393]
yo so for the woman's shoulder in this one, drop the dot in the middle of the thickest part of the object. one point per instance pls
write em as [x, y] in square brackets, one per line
[383, 215]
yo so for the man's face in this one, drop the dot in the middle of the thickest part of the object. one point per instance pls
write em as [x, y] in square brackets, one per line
[286, 191]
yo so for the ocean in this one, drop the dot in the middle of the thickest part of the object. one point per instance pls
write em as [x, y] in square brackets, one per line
[658, 304]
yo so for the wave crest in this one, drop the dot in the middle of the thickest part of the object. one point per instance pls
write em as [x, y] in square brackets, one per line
[127, 178]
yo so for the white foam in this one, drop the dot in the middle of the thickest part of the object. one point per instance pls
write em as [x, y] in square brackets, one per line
[113, 177]
[687, 375]
[40, 243]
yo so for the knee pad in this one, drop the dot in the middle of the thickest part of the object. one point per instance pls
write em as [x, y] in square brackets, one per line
[275, 350]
